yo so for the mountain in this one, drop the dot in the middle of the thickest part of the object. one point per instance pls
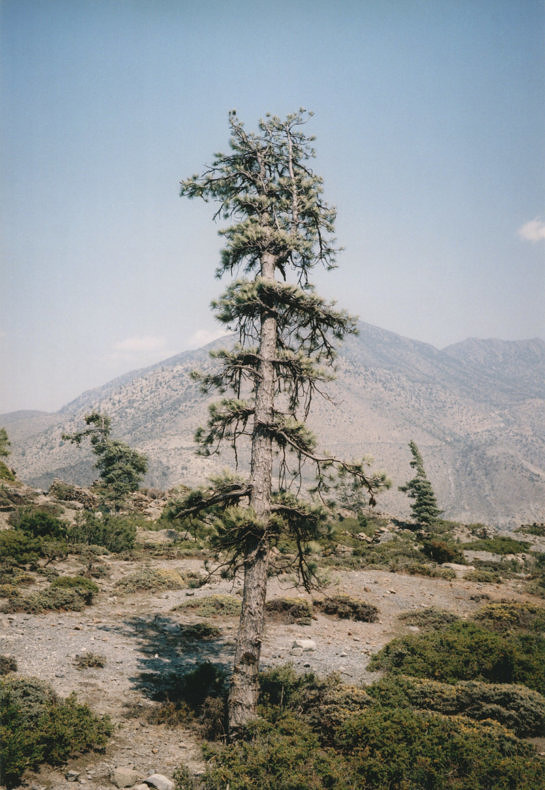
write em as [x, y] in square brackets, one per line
[476, 409]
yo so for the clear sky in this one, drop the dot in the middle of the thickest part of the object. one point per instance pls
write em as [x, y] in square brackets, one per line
[430, 126]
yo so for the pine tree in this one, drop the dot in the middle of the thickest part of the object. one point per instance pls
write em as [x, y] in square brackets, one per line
[424, 507]
[281, 230]
[121, 468]
[5, 443]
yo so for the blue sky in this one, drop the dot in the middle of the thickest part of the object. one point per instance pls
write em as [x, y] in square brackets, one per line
[430, 126]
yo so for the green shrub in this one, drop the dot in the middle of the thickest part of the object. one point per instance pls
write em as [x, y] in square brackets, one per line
[17, 548]
[116, 533]
[285, 755]
[38, 523]
[499, 544]
[407, 749]
[7, 664]
[380, 749]
[37, 727]
[290, 610]
[6, 473]
[533, 529]
[69, 593]
[347, 608]
[391, 555]
[483, 576]
[151, 579]
[516, 707]
[429, 619]
[420, 569]
[441, 551]
[467, 651]
[326, 703]
[212, 605]
[512, 615]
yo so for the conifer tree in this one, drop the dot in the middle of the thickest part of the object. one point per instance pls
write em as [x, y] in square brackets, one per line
[121, 468]
[424, 507]
[281, 229]
[5, 443]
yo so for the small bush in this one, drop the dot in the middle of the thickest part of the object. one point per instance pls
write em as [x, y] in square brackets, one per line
[68, 593]
[499, 544]
[512, 615]
[441, 551]
[516, 707]
[467, 651]
[200, 632]
[326, 703]
[37, 727]
[212, 605]
[285, 755]
[115, 533]
[429, 619]
[483, 576]
[404, 748]
[290, 610]
[419, 569]
[7, 664]
[347, 608]
[151, 579]
[37, 523]
[6, 473]
[379, 748]
[90, 661]
[17, 548]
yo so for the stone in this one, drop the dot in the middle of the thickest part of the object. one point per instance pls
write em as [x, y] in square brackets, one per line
[160, 782]
[305, 644]
[140, 786]
[124, 776]
[72, 776]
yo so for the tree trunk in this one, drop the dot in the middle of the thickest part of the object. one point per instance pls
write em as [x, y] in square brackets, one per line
[244, 683]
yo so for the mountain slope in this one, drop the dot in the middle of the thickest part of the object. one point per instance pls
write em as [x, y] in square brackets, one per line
[476, 410]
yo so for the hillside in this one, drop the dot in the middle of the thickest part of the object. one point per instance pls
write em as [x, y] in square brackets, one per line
[476, 409]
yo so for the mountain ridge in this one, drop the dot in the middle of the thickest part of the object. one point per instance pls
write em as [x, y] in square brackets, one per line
[475, 408]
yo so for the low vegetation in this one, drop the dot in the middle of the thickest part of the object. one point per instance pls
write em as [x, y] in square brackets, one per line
[498, 544]
[469, 650]
[211, 606]
[36, 727]
[90, 661]
[289, 610]
[346, 608]
[66, 593]
[318, 734]
[151, 579]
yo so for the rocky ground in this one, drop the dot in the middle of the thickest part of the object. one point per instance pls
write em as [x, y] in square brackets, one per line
[138, 635]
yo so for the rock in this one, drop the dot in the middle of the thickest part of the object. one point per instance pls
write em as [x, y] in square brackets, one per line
[160, 782]
[305, 644]
[124, 776]
[140, 786]
[72, 776]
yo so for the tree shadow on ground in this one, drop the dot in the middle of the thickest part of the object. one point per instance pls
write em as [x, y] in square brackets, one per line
[168, 650]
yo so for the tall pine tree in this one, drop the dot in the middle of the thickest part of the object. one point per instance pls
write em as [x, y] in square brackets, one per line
[280, 230]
